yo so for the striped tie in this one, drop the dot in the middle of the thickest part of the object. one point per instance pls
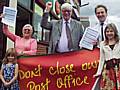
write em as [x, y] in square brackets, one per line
[70, 44]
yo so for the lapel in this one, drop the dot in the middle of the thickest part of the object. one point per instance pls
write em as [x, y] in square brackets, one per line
[60, 26]
[72, 25]
[115, 47]
[107, 47]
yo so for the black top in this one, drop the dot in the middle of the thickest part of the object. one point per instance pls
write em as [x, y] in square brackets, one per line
[112, 46]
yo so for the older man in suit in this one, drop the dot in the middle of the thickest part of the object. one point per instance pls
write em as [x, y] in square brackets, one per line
[65, 33]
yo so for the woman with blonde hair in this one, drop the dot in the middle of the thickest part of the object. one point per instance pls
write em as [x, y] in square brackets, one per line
[24, 45]
[9, 71]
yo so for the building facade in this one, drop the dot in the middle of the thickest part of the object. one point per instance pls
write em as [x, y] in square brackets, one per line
[31, 11]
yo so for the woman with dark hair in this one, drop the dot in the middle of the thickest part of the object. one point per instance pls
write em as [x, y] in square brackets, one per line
[109, 69]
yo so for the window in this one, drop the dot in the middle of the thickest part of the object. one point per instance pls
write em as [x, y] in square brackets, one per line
[26, 3]
[36, 22]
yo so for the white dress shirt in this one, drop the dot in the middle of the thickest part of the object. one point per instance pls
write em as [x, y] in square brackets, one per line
[98, 28]
[63, 42]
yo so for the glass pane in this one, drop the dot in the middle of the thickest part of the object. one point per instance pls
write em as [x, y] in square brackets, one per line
[46, 35]
[25, 3]
[37, 19]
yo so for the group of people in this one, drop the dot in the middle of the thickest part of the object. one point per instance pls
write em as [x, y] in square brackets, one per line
[108, 41]
[108, 73]
[25, 45]
[66, 34]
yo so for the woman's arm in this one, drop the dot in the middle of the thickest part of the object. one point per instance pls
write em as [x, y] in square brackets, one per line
[8, 33]
[101, 61]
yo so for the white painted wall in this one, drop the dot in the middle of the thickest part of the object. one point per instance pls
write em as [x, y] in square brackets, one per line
[10, 44]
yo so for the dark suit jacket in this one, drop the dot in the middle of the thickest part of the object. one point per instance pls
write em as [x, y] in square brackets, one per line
[56, 28]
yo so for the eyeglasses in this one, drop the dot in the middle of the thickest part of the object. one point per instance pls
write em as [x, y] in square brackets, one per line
[66, 10]
[26, 29]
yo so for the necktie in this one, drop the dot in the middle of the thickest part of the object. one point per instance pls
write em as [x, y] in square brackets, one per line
[70, 44]
[102, 31]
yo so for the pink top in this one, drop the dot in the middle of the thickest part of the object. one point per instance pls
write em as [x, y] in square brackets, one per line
[28, 46]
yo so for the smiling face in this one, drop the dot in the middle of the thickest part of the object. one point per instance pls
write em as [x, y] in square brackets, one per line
[66, 14]
[66, 11]
[101, 14]
[27, 31]
[110, 34]
[10, 58]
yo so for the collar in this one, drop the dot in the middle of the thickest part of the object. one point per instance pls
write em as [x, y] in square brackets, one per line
[105, 22]
[68, 20]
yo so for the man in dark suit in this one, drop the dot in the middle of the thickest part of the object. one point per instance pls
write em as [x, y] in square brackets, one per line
[59, 39]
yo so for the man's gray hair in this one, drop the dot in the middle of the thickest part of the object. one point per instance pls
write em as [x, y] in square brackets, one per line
[66, 6]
